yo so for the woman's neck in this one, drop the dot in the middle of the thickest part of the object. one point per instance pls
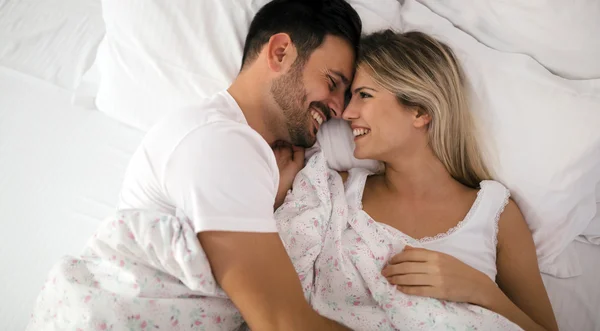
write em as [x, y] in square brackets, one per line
[418, 175]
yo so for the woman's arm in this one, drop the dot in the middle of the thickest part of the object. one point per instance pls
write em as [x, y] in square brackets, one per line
[523, 298]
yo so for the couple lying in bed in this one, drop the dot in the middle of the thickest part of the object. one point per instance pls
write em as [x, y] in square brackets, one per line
[430, 242]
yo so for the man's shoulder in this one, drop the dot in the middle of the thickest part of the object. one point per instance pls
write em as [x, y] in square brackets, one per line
[214, 118]
[213, 110]
[204, 135]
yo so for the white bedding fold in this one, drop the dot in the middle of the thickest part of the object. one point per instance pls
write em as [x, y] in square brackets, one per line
[557, 34]
[140, 271]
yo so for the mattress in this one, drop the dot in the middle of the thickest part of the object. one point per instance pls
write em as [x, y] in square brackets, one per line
[60, 173]
[61, 166]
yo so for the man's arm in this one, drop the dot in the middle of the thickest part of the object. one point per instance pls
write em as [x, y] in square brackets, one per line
[258, 276]
[224, 178]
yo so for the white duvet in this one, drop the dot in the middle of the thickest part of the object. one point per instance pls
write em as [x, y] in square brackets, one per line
[144, 270]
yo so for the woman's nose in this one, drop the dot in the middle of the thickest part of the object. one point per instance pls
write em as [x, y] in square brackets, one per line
[351, 112]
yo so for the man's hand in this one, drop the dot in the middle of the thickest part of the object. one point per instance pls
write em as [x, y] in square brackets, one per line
[290, 160]
[258, 276]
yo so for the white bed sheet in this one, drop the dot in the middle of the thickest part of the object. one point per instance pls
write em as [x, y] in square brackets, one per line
[576, 300]
[60, 173]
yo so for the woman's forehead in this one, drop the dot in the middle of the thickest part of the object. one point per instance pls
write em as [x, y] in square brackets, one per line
[361, 78]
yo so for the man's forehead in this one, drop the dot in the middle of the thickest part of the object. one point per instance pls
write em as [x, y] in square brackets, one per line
[337, 56]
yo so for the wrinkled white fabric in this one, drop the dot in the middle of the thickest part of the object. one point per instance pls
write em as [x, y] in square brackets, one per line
[140, 271]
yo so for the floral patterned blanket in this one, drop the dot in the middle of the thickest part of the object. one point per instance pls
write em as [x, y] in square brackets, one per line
[147, 271]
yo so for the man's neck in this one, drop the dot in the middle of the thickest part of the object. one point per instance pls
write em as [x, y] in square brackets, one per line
[250, 97]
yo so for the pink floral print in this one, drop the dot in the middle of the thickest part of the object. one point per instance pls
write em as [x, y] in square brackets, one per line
[340, 261]
[146, 271]
[140, 271]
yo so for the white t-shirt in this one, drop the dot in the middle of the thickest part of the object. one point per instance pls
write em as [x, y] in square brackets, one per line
[208, 163]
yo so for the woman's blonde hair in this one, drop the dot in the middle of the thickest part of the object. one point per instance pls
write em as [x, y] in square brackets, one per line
[425, 75]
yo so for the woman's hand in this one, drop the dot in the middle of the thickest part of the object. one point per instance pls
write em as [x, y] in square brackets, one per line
[290, 160]
[422, 272]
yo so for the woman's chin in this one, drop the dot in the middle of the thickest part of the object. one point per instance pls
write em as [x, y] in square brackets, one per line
[364, 154]
[360, 154]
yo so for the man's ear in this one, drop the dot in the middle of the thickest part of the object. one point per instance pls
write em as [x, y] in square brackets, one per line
[422, 118]
[281, 52]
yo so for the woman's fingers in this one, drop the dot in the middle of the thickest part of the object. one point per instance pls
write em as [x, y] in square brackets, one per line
[413, 255]
[284, 156]
[282, 152]
[412, 280]
[406, 268]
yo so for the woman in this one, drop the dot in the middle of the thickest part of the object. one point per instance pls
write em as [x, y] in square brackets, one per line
[409, 109]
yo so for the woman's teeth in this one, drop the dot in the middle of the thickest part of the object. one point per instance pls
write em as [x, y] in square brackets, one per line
[360, 132]
[317, 117]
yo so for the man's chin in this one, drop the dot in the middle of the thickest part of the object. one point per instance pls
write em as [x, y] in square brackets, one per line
[306, 141]
[307, 144]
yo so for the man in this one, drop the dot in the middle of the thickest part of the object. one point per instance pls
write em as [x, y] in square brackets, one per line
[215, 163]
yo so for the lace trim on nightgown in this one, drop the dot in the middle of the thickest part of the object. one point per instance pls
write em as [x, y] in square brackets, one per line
[499, 213]
[459, 225]
[439, 235]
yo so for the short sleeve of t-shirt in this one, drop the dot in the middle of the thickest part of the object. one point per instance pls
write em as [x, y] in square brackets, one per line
[224, 177]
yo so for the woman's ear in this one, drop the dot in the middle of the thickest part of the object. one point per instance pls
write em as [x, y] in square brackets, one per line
[281, 52]
[422, 118]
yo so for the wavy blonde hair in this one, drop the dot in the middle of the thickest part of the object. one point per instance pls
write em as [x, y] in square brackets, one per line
[424, 74]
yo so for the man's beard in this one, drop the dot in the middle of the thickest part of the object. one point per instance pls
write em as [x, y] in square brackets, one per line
[290, 95]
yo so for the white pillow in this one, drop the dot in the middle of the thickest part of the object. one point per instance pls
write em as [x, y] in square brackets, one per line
[561, 35]
[158, 55]
[55, 41]
[541, 132]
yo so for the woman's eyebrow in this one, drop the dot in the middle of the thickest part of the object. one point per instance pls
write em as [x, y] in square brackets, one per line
[358, 89]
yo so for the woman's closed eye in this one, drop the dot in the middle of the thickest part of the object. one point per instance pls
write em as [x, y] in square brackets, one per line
[364, 95]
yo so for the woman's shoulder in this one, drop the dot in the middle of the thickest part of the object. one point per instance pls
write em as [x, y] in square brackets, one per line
[495, 189]
[490, 183]
[508, 216]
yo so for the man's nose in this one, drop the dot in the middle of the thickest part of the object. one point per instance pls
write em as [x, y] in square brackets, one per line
[337, 104]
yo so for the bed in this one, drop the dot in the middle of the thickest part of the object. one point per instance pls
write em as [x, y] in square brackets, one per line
[61, 170]
[61, 165]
